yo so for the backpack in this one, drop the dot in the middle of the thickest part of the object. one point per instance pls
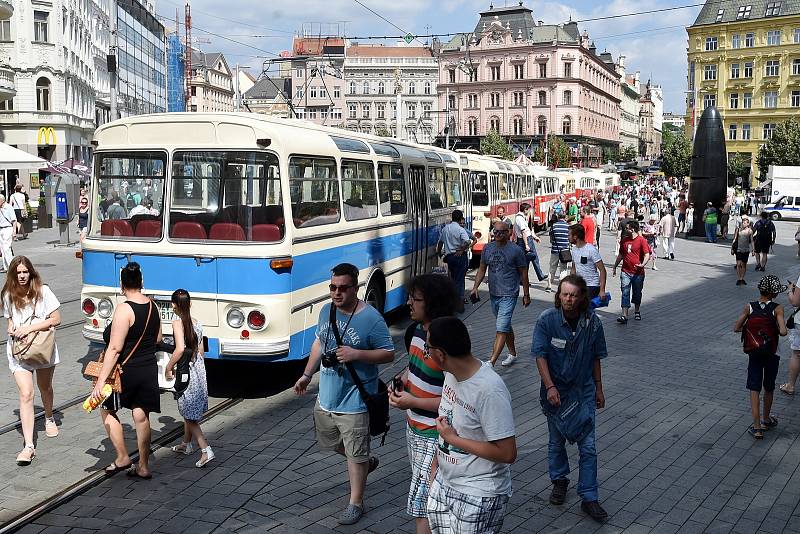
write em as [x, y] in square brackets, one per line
[760, 331]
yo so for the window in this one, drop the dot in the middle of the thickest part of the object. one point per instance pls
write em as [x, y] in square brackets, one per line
[40, 24]
[567, 98]
[734, 101]
[748, 69]
[323, 93]
[494, 124]
[711, 43]
[519, 98]
[314, 191]
[771, 99]
[312, 113]
[451, 75]
[542, 98]
[720, 14]
[5, 30]
[518, 127]
[412, 88]
[796, 67]
[494, 72]
[797, 35]
[744, 12]
[710, 72]
[734, 70]
[473, 75]
[773, 9]
[736, 41]
[427, 88]
[394, 110]
[747, 100]
[337, 91]
[795, 99]
[732, 132]
[312, 92]
[749, 40]
[472, 101]
[567, 69]
[472, 127]
[426, 111]
[541, 125]
[436, 188]
[352, 88]
[769, 128]
[359, 191]
[745, 132]
[773, 37]
[519, 72]
[412, 111]
[351, 111]
[144, 172]
[365, 88]
[391, 189]
[452, 101]
[297, 94]
[494, 100]
[542, 70]
[772, 67]
[566, 126]
[381, 113]
[381, 88]
[43, 94]
[452, 188]
[365, 107]
[709, 101]
[7, 105]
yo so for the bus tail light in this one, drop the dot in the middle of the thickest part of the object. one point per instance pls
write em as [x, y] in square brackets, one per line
[245, 334]
[281, 263]
[88, 307]
[235, 318]
[478, 235]
[256, 320]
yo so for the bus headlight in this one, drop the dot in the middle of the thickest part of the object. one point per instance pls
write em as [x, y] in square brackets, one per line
[88, 307]
[104, 308]
[256, 320]
[235, 318]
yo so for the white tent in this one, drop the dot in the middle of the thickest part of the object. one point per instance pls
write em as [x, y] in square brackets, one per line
[13, 158]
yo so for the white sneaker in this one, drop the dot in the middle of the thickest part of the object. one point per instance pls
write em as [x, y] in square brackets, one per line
[509, 360]
[655, 268]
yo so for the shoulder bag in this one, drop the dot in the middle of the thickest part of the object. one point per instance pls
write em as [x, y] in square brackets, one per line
[564, 254]
[378, 404]
[36, 348]
[114, 378]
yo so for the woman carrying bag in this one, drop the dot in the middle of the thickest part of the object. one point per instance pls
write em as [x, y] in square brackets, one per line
[193, 400]
[32, 311]
[131, 341]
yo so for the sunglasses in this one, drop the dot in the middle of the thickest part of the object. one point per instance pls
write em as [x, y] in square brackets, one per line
[496, 232]
[334, 288]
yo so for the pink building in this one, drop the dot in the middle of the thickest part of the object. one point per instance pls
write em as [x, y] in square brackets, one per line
[527, 80]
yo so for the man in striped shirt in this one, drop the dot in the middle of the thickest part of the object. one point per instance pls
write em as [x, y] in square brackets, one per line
[430, 296]
[559, 240]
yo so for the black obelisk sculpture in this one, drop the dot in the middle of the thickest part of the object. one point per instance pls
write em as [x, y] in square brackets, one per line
[709, 172]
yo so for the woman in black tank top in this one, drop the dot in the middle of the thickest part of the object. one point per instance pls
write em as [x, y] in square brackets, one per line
[131, 341]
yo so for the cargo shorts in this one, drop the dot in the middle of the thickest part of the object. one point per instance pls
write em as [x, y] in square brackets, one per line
[348, 432]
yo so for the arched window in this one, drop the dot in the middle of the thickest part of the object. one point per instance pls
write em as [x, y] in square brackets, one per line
[566, 126]
[427, 88]
[366, 88]
[352, 88]
[541, 125]
[472, 126]
[518, 124]
[381, 88]
[494, 124]
[567, 98]
[542, 98]
[412, 88]
[43, 94]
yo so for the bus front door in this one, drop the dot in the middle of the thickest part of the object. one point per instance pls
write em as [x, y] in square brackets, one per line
[419, 221]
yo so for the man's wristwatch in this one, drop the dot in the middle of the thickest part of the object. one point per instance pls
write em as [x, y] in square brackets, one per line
[307, 376]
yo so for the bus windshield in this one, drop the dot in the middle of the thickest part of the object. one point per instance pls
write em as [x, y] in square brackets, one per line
[480, 189]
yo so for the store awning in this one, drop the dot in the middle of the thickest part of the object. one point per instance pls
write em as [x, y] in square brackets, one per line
[14, 158]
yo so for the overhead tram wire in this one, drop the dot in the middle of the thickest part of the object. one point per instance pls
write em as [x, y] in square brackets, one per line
[231, 20]
[223, 37]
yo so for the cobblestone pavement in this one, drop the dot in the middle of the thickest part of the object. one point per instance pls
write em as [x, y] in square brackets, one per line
[673, 450]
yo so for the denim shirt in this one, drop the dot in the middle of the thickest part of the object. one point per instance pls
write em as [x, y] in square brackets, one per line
[570, 357]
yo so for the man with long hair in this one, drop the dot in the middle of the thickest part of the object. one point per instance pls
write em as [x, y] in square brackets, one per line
[568, 344]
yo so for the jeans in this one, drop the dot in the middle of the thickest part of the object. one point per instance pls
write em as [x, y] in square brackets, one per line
[628, 282]
[503, 309]
[533, 257]
[711, 232]
[457, 267]
[558, 462]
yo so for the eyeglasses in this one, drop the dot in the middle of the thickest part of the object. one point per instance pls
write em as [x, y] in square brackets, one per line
[334, 288]
[496, 232]
[412, 298]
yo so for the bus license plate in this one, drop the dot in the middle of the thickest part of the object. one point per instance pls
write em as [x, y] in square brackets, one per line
[165, 310]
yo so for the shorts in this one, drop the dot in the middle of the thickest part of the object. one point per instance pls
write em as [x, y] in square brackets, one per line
[347, 431]
[421, 452]
[453, 512]
[762, 370]
[743, 256]
[681, 217]
[761, 248]
[503, 309]
[20, 215]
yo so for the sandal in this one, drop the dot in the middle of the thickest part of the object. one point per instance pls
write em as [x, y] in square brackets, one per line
[637, 316]
[622, 319]
[183, 448]
[133, 472]
[757, 433]
[114, 468]
[209, 456]
[785, 389]
[26, 455]
[772, 422]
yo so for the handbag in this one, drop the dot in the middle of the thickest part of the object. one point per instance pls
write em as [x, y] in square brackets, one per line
[378, 404]
[114, 378]
[37, 347]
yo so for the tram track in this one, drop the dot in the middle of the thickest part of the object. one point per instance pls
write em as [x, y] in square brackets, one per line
[67, 494]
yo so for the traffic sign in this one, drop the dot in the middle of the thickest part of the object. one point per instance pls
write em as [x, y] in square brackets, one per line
[408, 38]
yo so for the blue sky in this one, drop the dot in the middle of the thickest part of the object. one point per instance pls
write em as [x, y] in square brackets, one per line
[653, 44]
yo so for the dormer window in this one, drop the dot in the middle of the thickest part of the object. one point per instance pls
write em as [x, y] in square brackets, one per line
[720, 13]
[773, 9]
[744, 12]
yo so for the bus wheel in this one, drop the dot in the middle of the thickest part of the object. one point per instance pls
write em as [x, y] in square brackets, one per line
[775, 216]
[375, 295]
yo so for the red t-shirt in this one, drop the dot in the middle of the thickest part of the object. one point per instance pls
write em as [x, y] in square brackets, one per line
[590, 226]
[633, 252]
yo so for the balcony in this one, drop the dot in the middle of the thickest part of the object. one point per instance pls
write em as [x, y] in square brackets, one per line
[6, 9]
[7, 87]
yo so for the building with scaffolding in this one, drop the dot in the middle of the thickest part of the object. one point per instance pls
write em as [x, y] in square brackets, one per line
[176, 80]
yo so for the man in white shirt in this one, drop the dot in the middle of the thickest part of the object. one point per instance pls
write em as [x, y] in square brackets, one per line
[587, 262]
[7, 225]
[527, 239]
[669, 228]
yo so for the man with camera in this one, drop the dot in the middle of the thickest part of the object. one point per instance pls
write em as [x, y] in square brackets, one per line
[341, 418]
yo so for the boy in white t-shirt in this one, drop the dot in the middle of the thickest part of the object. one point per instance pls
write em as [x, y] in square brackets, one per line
[471, 473]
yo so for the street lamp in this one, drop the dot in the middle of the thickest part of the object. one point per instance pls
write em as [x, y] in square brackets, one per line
[238, 92]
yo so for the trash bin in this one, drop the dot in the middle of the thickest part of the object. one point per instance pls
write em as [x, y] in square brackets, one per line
[43, 217]
[27, 225]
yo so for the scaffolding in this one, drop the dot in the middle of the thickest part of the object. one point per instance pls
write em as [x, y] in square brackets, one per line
[176, 91]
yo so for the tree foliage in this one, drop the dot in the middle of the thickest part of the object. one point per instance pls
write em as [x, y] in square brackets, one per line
[628, 153]
[677, 155]
[783, 148]
[381, 131]
[558, 153]
[738, 167]
[538, 155]
[494, 145]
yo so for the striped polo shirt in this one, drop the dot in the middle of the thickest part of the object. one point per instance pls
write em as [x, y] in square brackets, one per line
[425, 380]
[559, 236]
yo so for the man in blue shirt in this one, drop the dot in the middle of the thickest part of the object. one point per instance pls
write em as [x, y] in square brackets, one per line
[568, 344]
[559, 240]
[341, 418]
[453, 244]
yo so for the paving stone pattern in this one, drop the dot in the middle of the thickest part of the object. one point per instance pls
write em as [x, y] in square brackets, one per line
[673, 450]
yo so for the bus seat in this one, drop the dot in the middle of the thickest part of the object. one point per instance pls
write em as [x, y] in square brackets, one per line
[273, 212]
[279, 221]
[116, 228]
[148, 228]
[226, 232]
[266, 232]
[230, 214]
[188, 230]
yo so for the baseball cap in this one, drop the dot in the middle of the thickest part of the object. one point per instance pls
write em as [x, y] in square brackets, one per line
[771, 284]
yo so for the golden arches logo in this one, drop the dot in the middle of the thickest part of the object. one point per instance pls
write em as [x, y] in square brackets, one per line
[46, 134]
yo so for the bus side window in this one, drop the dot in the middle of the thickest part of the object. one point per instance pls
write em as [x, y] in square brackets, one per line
[314, 191]
[436, 188]
[359, 190]
[392, 189]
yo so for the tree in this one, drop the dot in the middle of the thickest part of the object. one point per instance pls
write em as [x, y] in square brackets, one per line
[494, 145]
[381, 131]
[628, 153]
[538, 155]
[558, 153]
[677, 156]
[738, 167]
[783, 148]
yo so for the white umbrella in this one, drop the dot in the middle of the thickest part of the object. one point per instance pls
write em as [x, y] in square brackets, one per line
[13, 158]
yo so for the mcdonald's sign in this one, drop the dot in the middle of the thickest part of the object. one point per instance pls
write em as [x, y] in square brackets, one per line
[46, 134]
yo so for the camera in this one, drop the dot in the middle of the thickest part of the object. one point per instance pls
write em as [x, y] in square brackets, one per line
[474, 298]
[329, 359]
[397, 384]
